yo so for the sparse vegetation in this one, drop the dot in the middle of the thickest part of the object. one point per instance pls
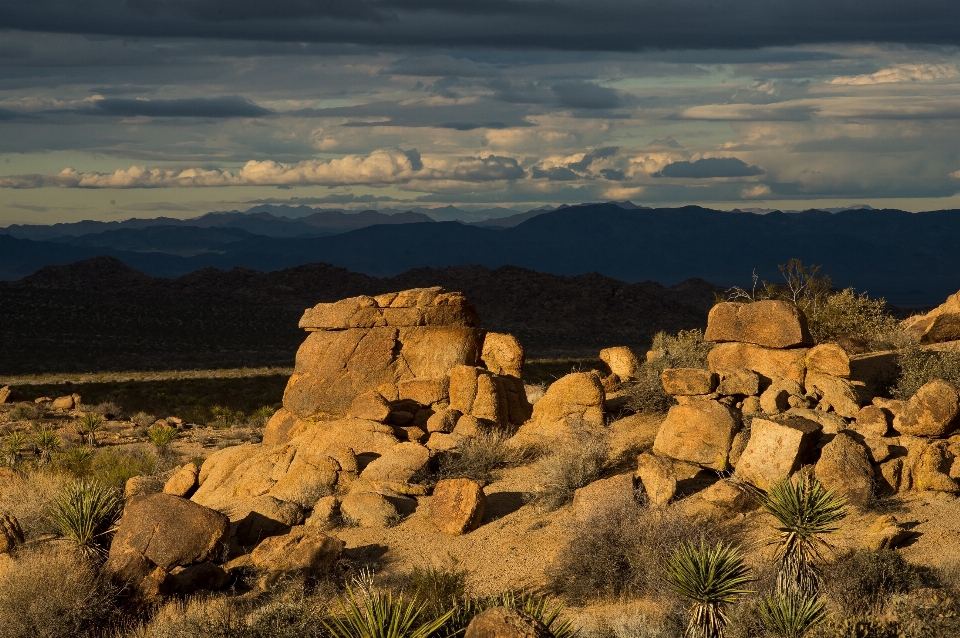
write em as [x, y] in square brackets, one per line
[863, 582]
[162, 436]
[375, 614]
[567, 469]
[143, 419]
[89, 425]
[710, 578]
[919, 366]
[685, 350]
[261, 416]
[84, 514]
[114, 467]
[46, 442]
[480, 456]
[107, 409]
[792, 615]
[13, 445]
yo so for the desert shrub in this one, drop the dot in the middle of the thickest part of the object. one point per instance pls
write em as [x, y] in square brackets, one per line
[76, 459]
[13, 446]
[259, 417]
[162, 436]
[89, 425]
[29, 496]
[480, 456]
[143, 419]
[376, 614]
[49, 592]
[845, 313]
[685, 350]
[106, 409]
[224, 417]
[919, 366]
[567, 469]
[25, 412]
[84, 514]
[46, 442]
[710, 577]
[620, 551]
[863, 582]
[440, 587]
[792, 615]
[113, 467]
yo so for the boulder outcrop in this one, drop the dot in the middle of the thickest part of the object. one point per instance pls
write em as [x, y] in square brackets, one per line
[772, 324]
[776, 449]
[700, 432]
[572, 404]
[937, 326]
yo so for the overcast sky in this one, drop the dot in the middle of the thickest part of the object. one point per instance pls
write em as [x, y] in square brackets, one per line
[111, 109]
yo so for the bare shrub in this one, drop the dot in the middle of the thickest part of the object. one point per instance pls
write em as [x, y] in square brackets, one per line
[30, 496]
[919, 366]
[25, 412]
[106, 409]
[566, 469]
[685, 350]
[621, 551]
[863, 582]
[52, 592]
[478, 457]
[143, 419]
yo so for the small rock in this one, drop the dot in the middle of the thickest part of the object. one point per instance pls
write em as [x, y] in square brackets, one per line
[440, 442]
[776, 449]
[469, 426]
[268, 516]
[872, 421]
[885, 533]
[888, 476]
[304, 552]
[443, 421]
[398, 468]
[457, 506]
[368, 509]
[930, 469]
[63, 403]
[504, 622]
[772, 324]
[776, 398]
[751, 406]
[400, 417]
[370, 406]
[621, 361]
[842, 394]
[325, 514]
[844, 466]
[736, 381]
[5, 394]
[688, 381]
[205, 576]
[829, 358]
[658, 478]
[700, 432]
[932, 411]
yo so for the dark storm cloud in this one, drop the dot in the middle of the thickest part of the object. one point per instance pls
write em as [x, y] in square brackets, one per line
[586, 95]
[710, 167]
[485, 169]
[461, 117]
[555, 174]
[554, 24]
[590, 158]
[217, 107]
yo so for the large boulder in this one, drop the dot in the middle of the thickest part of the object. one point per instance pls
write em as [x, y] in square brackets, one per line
[829, 358]
[457, 506]
[183, 482]
[305, 552]
[776, 449]
[933, 411]
[370, 406]
[872, 421]
[160, 532]
[414, 307]
[772, 324]
[688, 381]
[399, 469]
[927, 468]
[504, 622]
[572, 404]
[700, 432]
[621, 361]
[844, 466]
[767, 362]
[495, 398]
[939, 325]
[502, 354]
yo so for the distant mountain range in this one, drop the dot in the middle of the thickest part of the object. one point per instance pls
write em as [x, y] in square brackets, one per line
[100, 314]
[910, 258]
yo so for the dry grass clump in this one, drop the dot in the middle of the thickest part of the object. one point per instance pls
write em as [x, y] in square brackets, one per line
[480, 456]
[113, 467]
[51, 592]
[30, 496]
[685, 350]
[919, 366]
[566, 469]
[864, 582]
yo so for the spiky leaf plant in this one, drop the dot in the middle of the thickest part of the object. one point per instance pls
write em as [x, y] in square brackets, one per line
[374, 614]
[13, 445]
[539, 607]
[162, 436]
[89, 425]
[76, 459]
[792, 615]
[85, 514]
[46, 442]
[805, 511]
[710, 577]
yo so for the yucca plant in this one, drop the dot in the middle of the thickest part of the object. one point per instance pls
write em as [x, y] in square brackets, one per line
[710, 577]
[85, 514]
[374, 614]
[261, 416]
[46, 442]
[13, 445]
[162, 436]
[805, 511]
[89, 425]
[76, 459]
[792, 615]
[539, 607]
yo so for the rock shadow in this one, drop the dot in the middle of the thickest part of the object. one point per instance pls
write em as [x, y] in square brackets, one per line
[500, 504]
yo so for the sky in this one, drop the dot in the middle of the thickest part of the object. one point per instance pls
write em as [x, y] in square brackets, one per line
[111, 109]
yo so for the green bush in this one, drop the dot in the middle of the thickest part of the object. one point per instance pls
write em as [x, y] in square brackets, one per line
[114, 467]
[46, 442]
[162, 436]
[85, 514]
[685, 350]
[846, 313]
[89, 425]
[77, 460]
[375, 614]
[792, 615]
[260, 416]
[919, 366]
[13, 445]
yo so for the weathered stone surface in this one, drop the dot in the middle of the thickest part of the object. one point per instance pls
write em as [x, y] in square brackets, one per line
[205, 576]
[768, 363]
[929, 468]
[751, 406]
[502, 354]
[829, 358]
[700, 433]
[736, 381]
[885, 533]
[657, 477]
[933, 411]
[463, 387]
[504, 622]
[688, 381]
[304, 552]
[183, 482]
[440, 442]
[939, 325]
[469, 426]
[621, 361]
[11, 535]
[730, 496]
[370, 406]
[283, 426]
[333, 367]
[263, 516]
[829, 421]
[893, 406]
[164, 531]
[877, 448]
[368, 509]
[457, 506]
[839, 393]
[325, 514]
[444, 421]
[5, 394]
[416, 307]
[773, 324]
[63, 403]
[871, 421]
[776, 449]
[615, 492]
[424, 391]
[776, 398]
[844, 466]
[888, 476]
[488, 404]
[141, 485]
[398, 468]
[571, 406]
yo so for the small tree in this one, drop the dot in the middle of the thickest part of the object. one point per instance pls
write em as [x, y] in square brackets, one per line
[90, 424]
[711, 578]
